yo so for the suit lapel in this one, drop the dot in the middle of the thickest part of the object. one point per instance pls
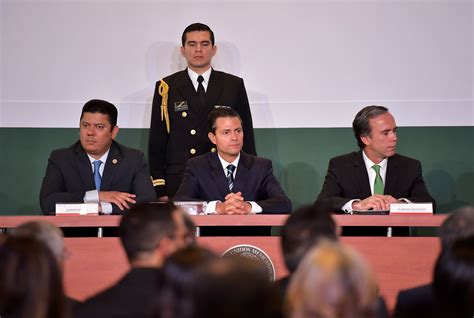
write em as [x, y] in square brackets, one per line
[361, 175]
[214, 89]
[84, 167]
[243, 171]
[391, 176]
[114, 160]
[218, 175]
[186, 88]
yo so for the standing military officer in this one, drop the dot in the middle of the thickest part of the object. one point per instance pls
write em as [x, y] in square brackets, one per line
[181, 103]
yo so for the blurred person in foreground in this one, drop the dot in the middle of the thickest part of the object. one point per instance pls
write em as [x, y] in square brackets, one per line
[420, 300]
[51, 236]
[179, 274]
[234, 287]
[332, 281]
[30, 280]
[149, 233]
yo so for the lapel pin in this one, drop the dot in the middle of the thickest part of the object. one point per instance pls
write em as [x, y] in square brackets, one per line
[114, 161]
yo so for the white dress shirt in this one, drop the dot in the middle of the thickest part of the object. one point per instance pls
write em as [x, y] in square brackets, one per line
[372, 174]
[194, 78]
[92, 196]
[211, 206]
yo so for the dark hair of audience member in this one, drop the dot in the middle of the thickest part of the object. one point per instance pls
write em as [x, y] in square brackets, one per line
[302, 230]
[453, 280]
[332, 281]
[30, 280]
[235, 287]
[143, 226]
[45, 232]
[175, 299]
[459, 224]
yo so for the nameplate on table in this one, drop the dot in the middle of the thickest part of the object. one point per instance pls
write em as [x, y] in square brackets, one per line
[192, 207]
[411, 208]
[77, 208]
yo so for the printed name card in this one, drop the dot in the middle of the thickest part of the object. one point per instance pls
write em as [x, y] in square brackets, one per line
[77, 208]
[411, 208]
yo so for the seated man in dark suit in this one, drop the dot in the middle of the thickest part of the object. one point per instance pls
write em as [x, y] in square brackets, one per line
[96, 168]
[375, 176]
[419, 301]
[149, 234]
[232, 181]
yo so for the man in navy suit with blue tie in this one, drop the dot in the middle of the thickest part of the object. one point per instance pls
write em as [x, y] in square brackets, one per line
[232, 181]
[96, 168]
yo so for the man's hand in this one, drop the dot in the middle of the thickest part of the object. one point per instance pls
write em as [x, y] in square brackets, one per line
[120, 199]
[234, 204]
[375, 202]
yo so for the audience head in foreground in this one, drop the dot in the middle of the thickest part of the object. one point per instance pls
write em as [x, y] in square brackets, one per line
[303, 229]
[234, 287]
[179, 274]
[45, 232]
[30, 280]
[332, 281]
[453, 279]
[151, 232]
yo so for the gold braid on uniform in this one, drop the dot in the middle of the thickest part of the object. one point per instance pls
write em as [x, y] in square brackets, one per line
[163, 91]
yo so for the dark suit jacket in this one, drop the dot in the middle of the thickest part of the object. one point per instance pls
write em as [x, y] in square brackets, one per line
[168, 153]
[133, 296]
[69, 175]
[347, 179]
[204, 179]
[415, 302]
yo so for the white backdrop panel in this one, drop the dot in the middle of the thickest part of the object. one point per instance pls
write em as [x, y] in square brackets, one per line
[305, 63]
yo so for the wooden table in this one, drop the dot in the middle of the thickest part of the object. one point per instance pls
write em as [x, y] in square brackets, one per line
[236, 220]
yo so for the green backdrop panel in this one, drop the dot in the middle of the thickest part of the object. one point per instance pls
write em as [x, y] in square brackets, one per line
[300, 157]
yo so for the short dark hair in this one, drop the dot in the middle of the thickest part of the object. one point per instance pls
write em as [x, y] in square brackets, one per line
[144, 226]
[197, 27]
[220, 112]
[303, 229]
[179, 273]
[458, 225]
[234, 287]
[102, 107]
[453, 279]
[361, 125]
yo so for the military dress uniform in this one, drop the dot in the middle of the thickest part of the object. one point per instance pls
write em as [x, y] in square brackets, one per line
[179, 130]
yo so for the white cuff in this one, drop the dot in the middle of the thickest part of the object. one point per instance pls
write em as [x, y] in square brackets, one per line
[91, 196]
[211, 207]
[405, 200]
[106, 207]
[347, 208]
[255, 208]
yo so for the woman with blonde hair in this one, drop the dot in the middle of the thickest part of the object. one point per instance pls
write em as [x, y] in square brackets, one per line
[332, 281]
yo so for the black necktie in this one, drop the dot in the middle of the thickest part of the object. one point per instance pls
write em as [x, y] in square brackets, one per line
[201, 91]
